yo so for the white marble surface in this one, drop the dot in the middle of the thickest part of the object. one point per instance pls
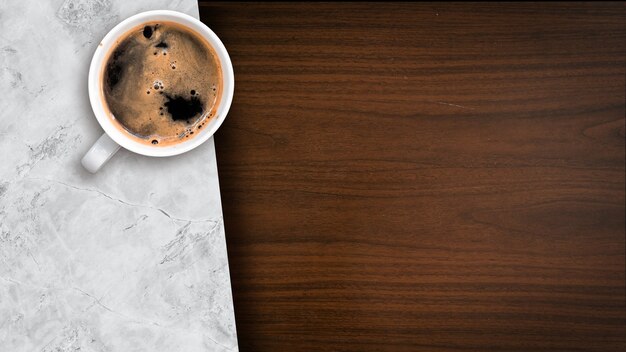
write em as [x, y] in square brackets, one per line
[132, 258]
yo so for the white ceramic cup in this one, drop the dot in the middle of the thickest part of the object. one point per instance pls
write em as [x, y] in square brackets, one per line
[113, 137]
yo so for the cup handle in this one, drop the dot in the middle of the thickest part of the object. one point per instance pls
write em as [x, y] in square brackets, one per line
[100, 153]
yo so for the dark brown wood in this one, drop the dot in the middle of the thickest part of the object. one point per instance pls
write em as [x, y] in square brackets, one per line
[425, 177]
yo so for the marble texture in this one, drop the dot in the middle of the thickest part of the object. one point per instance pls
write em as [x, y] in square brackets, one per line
[132, 258]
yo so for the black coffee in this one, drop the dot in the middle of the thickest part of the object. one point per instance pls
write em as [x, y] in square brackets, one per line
[162, 82]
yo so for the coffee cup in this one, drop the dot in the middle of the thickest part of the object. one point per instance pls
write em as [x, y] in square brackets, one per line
[115, 137]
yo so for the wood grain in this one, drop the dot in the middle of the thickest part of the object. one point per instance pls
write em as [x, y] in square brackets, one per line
[425, 177]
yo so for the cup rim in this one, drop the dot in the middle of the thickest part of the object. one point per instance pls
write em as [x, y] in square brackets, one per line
[96, 100]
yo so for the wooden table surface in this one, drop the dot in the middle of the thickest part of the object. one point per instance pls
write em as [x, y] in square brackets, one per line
[425, 177]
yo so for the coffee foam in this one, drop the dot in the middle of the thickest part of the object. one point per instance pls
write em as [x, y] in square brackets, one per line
[161, 82]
